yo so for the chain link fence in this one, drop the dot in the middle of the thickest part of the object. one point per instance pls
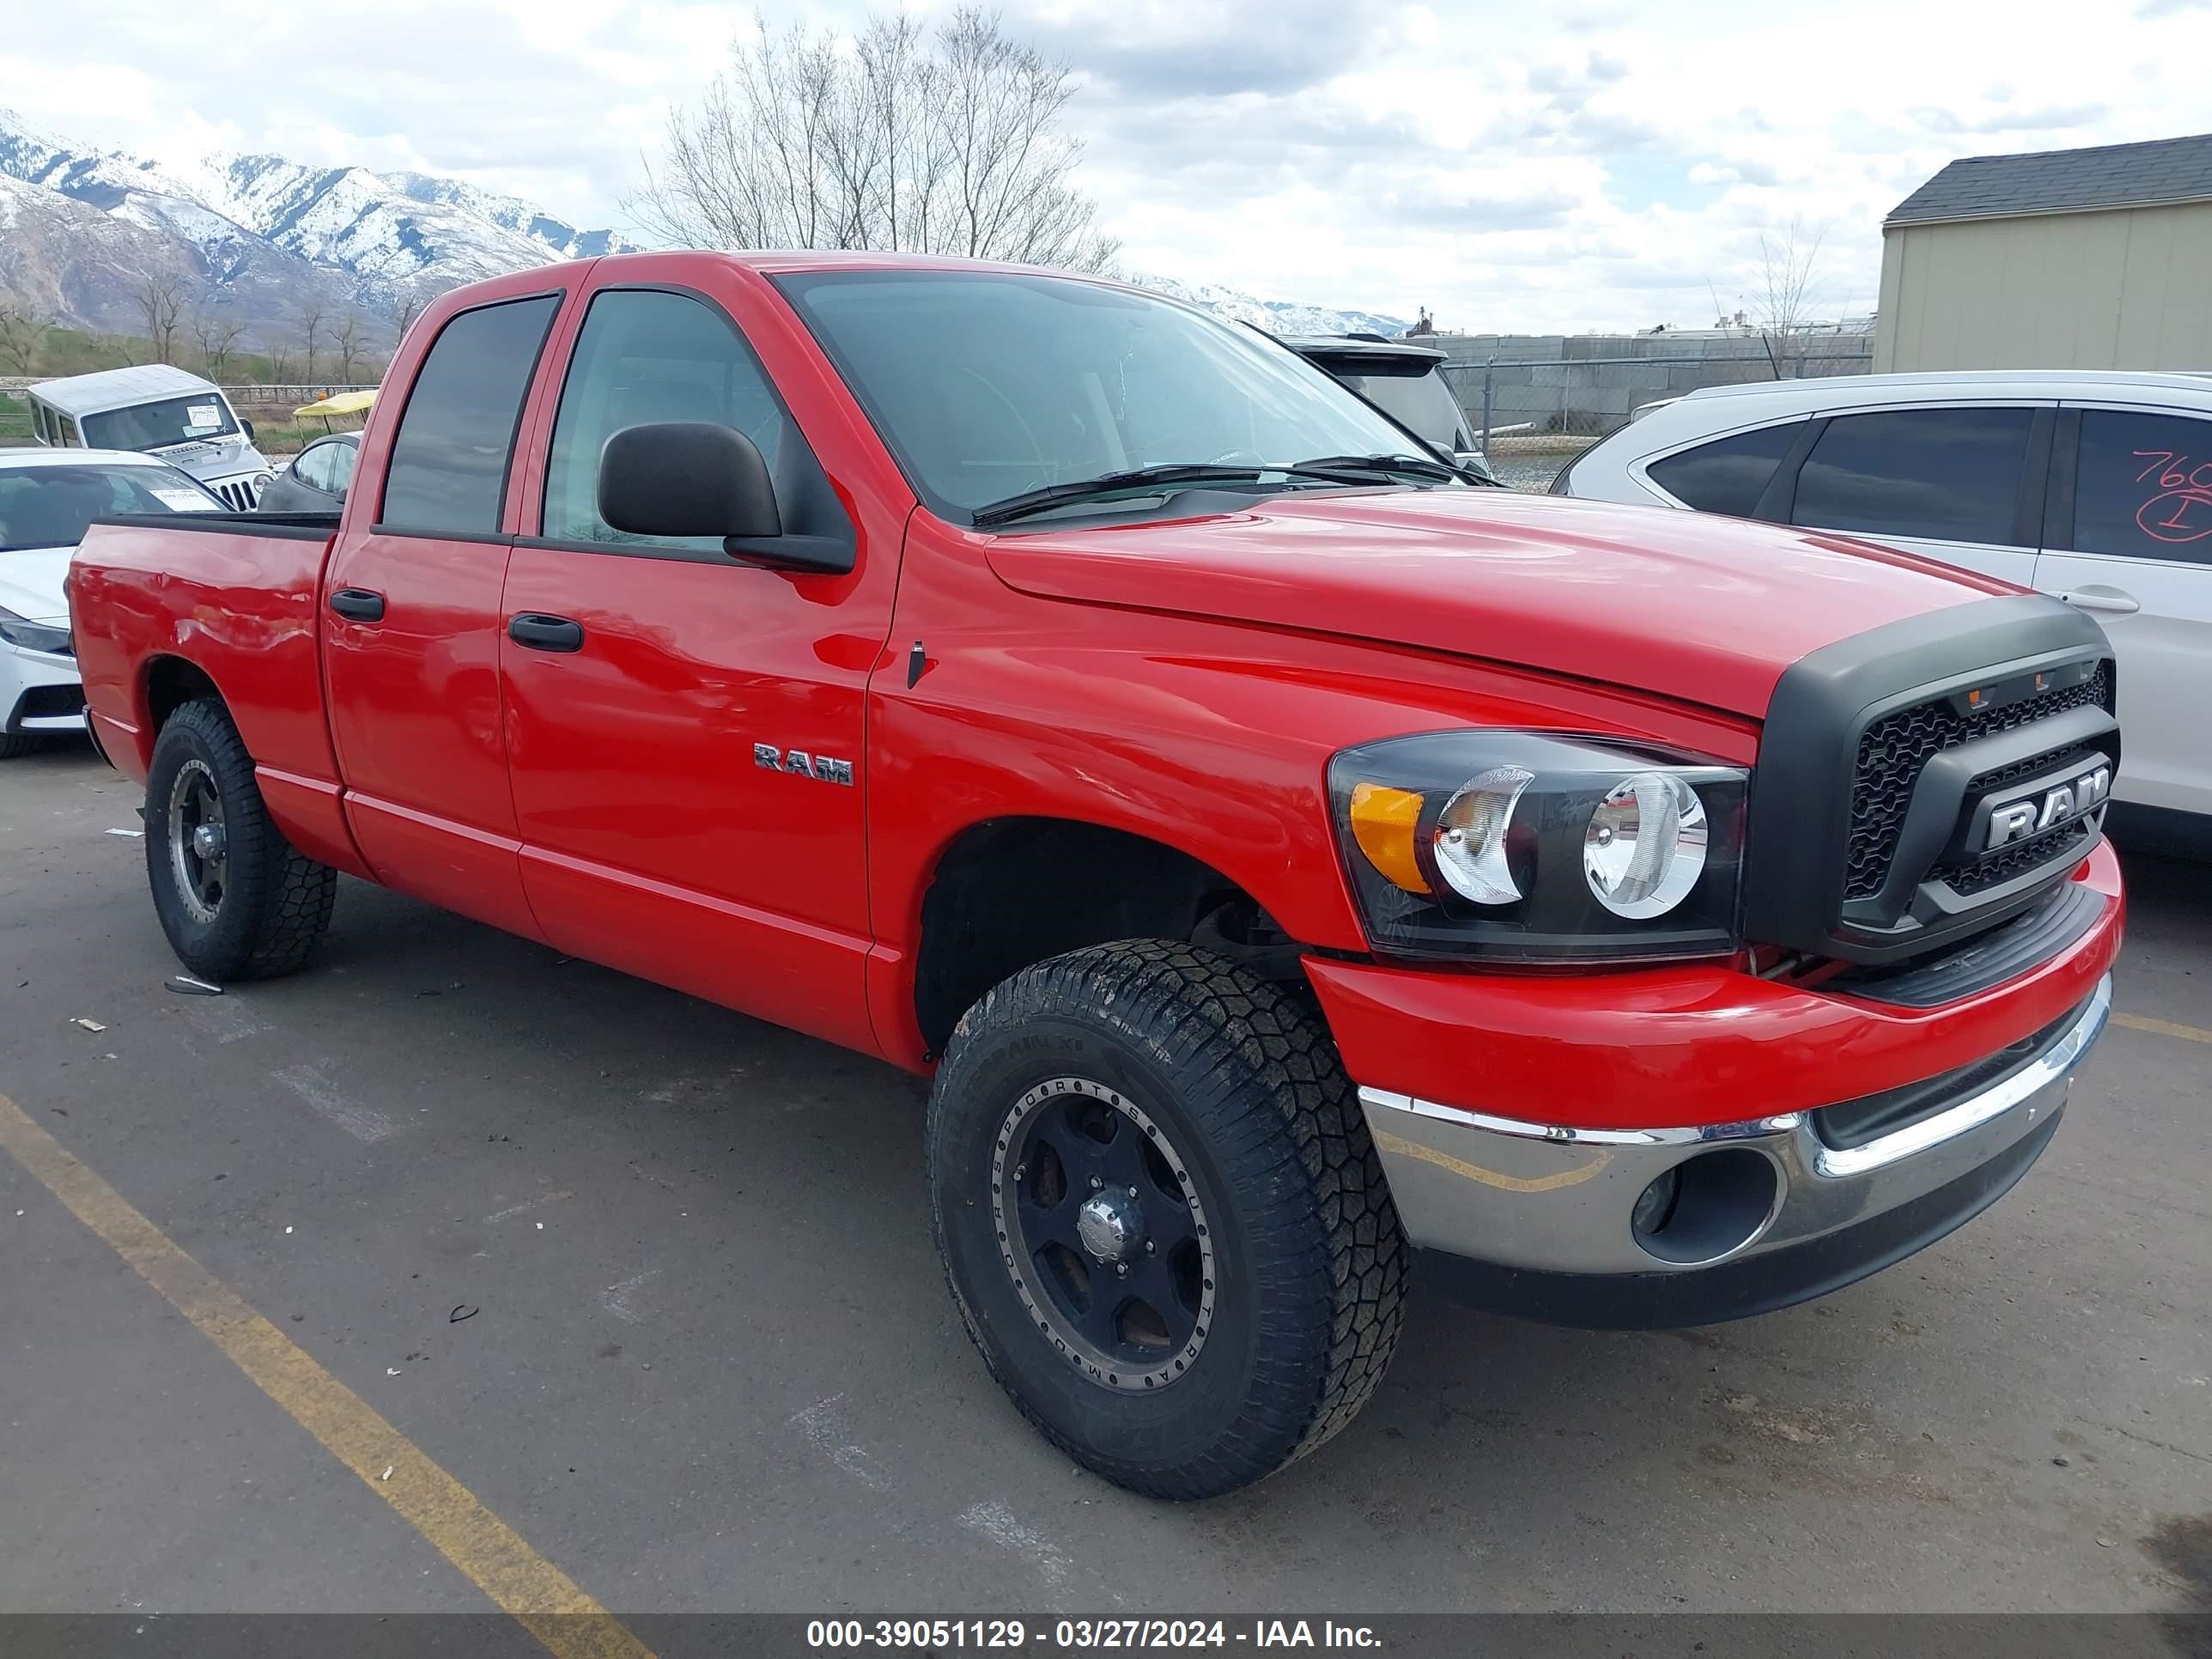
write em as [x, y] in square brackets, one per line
[1537, 413]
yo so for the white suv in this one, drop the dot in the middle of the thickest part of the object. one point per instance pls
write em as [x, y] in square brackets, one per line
[2093, 485]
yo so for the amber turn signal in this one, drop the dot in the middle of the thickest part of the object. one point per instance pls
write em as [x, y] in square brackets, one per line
[1383, 822]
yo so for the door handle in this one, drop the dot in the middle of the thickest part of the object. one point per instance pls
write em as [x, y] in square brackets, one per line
[2103, 598]
[543, 633]
[358, 604]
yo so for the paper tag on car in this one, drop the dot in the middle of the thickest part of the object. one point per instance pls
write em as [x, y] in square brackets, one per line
[203, 417]
[184, 501]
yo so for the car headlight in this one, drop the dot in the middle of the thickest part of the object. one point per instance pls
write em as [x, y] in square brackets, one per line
[34, 636]
[1517, 845]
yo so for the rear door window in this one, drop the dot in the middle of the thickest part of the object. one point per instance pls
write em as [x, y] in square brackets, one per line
[1729, 474]
[2142, 486]
[449, 457]
[1933, 474]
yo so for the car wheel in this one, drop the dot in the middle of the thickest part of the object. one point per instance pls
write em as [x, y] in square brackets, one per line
[1161, 1215]
[235, 899]
[10, 747]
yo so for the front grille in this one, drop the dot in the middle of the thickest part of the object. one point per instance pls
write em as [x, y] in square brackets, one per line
[237, 493]
[2017, 859]
[1895, 747]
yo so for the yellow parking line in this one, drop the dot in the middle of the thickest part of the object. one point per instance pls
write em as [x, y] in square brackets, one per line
[2163, 1027]
[492, 1555]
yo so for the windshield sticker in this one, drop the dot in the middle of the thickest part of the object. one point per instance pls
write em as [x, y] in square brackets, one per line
[203, 417]
[185, 500]
[2182, 509]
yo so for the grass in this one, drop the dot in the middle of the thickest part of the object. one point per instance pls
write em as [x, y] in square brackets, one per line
[15, 420]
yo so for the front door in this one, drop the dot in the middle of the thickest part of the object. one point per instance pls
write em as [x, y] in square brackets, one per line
[685, 731]
[2138, 556]
[411, 625]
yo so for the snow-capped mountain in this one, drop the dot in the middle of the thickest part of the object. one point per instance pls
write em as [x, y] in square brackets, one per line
[338, 235]
[277, 239]
[1276, 316]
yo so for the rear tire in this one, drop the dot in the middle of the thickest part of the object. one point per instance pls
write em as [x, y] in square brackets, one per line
[1242, 1150]
[235, 899]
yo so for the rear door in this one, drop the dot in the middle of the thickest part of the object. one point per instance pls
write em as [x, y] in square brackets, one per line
[2130, 542]
[1961, 483]
[685, 730]
[411, 625]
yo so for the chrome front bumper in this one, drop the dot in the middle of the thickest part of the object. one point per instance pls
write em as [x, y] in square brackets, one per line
[1559, 1202]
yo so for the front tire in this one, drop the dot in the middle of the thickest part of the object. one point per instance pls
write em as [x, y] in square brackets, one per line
[1162, 1217]
[235, 898]
[11, 746]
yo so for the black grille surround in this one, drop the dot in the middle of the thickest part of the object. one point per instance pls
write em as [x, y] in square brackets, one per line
[1881, 758]
[1894, 749]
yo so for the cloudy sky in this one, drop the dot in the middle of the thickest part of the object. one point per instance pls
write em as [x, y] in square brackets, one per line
[1529, 166]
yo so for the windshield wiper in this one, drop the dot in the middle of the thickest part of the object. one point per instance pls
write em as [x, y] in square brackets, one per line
[1417, 466]
[1137, 477]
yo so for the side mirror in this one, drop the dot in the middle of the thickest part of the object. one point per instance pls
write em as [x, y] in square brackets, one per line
[686, 479]
[246, 427]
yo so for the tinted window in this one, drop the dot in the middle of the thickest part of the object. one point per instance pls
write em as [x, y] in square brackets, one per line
[642, 358]
[1729, 474]
[448, 468]
[1421, 402]
[2144, 486]
[1950, 474]
[153, 425]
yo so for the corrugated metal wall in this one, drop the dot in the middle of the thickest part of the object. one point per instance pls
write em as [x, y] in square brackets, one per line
[2127, 289]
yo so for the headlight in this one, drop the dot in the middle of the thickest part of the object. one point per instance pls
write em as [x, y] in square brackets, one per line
[1517, 845]
[34, 636]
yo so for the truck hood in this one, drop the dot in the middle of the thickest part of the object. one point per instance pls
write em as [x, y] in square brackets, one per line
[1705, 609]
[31, 583]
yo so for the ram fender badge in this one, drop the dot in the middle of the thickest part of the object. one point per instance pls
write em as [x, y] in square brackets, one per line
[800, 764]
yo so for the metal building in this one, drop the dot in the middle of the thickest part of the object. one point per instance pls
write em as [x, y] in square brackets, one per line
[2072, 258]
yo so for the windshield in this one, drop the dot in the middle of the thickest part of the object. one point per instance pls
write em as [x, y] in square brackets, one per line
[986, 385]
[50, 506]
[151, 426]
[1419, 399]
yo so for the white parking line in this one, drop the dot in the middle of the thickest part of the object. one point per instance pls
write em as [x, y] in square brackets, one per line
[995, 1521]
[316, 1083]
[826, 1428]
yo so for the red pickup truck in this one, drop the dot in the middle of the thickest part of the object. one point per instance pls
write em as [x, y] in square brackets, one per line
[1288, 857]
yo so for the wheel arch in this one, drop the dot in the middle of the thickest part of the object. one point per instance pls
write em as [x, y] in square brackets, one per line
[1007, 892]
[168, 681]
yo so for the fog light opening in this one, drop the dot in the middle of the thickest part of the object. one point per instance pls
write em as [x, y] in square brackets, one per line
[1706, 1208]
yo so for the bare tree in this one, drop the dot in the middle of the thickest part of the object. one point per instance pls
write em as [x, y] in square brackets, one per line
[23, 331]
[310, 320]
[409, 309]
[217, 336]
[161, 302]
[349, 344]
[1787, 261]
[947, 141]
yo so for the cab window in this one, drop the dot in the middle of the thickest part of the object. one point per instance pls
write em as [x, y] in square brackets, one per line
[2142, 486]
[449, 457]
[644, 356]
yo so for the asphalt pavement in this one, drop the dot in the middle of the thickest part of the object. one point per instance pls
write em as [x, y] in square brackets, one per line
[654, 1283]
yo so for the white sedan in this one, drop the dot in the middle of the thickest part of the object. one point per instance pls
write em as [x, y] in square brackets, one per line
[47, 497]
[2093, 485]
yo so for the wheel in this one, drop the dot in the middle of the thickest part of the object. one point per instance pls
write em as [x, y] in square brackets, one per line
[234, 899]
[12, 746]
[1161, 1216]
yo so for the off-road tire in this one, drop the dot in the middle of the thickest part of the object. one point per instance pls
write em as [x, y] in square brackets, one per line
[276, 902]
[1311, 1264]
